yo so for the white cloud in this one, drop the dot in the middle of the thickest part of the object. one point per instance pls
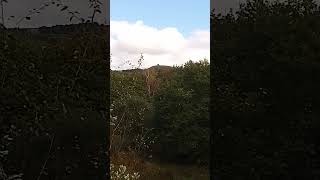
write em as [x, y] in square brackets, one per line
[165, 46]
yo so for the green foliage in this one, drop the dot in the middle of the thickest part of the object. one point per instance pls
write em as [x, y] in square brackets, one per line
[130, 106]
[172, 123]
[128, 84]
[49, 97]
[265, 91]
[182, 114]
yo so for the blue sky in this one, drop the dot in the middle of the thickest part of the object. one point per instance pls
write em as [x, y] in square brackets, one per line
[186, 16]
[172, 33]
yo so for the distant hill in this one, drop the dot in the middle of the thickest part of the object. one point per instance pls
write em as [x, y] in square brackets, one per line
[62, 28]
[62, 31]
[156, 67]
[161, 67]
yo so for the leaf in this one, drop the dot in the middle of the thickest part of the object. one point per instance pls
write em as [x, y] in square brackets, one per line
[98, 11]
[64, 8]
[3, 153]
[71, 18]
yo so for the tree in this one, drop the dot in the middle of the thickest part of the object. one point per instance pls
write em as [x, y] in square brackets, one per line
[264, 90]
[94, 4]
[182, 114]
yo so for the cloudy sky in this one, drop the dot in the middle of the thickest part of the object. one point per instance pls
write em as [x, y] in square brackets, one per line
[224, 5]
[50, 15]
[166, 32]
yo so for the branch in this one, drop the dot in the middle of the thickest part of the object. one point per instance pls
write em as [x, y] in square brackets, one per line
[45, 163]
[31, 13]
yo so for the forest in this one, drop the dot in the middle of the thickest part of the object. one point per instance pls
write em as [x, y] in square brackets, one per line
[265, 91]
[65, 115]
[54, 103]
[159, 126]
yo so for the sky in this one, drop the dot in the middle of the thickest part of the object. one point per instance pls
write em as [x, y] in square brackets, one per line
[164, 13]
[51, 15]
[167, 32]
[222, 6]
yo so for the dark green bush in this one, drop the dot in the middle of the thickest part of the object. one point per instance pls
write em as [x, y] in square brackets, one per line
[53, 106]
[265, 92]
[182, 114]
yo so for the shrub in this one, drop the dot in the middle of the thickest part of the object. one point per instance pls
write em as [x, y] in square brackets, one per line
[120, 173]
[182, 115]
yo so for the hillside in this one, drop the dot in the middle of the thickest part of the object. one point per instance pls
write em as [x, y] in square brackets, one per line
[156, 67]
[60, 31]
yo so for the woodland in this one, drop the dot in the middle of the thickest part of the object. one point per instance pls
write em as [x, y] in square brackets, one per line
[53, 104]
[265, 91]
[55, 113]
[65, 115]
[54, 98]
[159, 126]
[57, 96]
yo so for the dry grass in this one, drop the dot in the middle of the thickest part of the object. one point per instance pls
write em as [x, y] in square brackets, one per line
[158, 171]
